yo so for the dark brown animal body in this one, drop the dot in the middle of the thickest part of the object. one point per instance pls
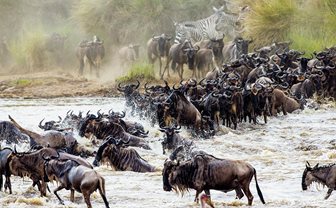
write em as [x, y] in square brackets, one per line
[121, 158]
[280, 100]
[158, 48]
[4, 153]
[93, 51]
[55, 139]
[32, 164]
[184, 111]
[75, 177]
[103, 129]
[325, 175]
[205, 172]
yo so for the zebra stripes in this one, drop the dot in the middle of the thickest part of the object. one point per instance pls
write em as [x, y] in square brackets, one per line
[215, 26]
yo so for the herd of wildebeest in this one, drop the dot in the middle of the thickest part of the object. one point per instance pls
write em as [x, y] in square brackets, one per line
[228, 86]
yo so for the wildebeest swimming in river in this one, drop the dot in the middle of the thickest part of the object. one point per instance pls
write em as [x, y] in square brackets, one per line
[205, 172]
[11, 134]
[93, 51]
[325, 175]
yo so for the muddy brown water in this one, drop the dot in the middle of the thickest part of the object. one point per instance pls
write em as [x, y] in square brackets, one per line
[278, 151]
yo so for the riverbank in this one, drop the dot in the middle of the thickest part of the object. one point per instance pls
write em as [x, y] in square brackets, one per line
[54, 84]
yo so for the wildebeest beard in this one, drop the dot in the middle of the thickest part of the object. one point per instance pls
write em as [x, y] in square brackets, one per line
[185, 177]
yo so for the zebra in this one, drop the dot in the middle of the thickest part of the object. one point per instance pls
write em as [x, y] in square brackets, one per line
[217, 25]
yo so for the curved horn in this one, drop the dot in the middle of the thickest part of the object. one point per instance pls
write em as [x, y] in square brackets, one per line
[68, 112]
[40, 124]
[87, 113]
[121, 88]
[136, 87]
[121, 115]
[99, 114]
[60, 119]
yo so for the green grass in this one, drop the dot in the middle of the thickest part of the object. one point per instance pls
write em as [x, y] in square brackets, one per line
[139, 71]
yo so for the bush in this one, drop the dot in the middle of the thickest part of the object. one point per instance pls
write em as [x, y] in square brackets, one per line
[139, 71]
[29, 51]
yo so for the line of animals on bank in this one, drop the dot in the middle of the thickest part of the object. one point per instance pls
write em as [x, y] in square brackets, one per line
[254, 85]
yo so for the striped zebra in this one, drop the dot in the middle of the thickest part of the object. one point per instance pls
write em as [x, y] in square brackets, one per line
[215, 26]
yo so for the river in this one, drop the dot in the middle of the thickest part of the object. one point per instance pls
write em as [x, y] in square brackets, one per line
[277, 150]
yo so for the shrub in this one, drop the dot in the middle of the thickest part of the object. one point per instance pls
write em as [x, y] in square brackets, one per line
[139, 71]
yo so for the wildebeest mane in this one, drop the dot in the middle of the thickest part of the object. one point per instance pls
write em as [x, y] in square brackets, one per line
[123, 158]
[187, 172]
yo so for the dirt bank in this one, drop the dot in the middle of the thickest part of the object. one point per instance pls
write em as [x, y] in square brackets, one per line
[53, 84]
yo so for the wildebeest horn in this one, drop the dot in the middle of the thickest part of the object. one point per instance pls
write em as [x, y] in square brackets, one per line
[40, 124]
[87, 113]
[175, 88]
[60, 119]
[137, 86]
[162, 126]
[68, 112]
[98, 113]
[307, 164]
[120, 88]
[121, 142]
[178, 127]
[121, 115]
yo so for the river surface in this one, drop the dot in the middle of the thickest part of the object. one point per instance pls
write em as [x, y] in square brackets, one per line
[277, 150]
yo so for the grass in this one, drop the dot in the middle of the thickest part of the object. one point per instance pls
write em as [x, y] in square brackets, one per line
[139, 71]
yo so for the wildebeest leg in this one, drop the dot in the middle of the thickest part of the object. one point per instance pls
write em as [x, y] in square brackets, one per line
[86, 195]
[55, 192]
[246, 189]
[328, 193]
[1, 181]
[72, 195]
[181, 76]
[196, 196]
[8, 184]
[81, 66]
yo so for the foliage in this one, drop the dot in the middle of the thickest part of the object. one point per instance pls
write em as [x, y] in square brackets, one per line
[139, 71]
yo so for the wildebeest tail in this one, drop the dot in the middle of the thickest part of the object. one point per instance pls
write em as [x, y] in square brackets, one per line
[101, 187]
[258, 189]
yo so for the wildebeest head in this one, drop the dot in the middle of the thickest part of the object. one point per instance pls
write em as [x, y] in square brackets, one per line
[169, 167]
[163, 43]
[50, 125]
[86, 126]
[169, 141]
[191, 54]
[129, 88]
[307, 177]
[242, 45]
[105, 149]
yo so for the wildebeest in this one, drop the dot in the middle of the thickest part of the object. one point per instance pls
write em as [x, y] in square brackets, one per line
[4, 153]
[233, 50]
[31, 164]
[55, 45]
[158, 48]
[71, 175]
[11, 134]
[182, 110]
[54, 139]
[280, 101]
[129, 54]
[204, 61]
[121, 158]
[205, 172]
[50, 125]
[325, 175]
[93, 51]
[103, 129]
[180, 54]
